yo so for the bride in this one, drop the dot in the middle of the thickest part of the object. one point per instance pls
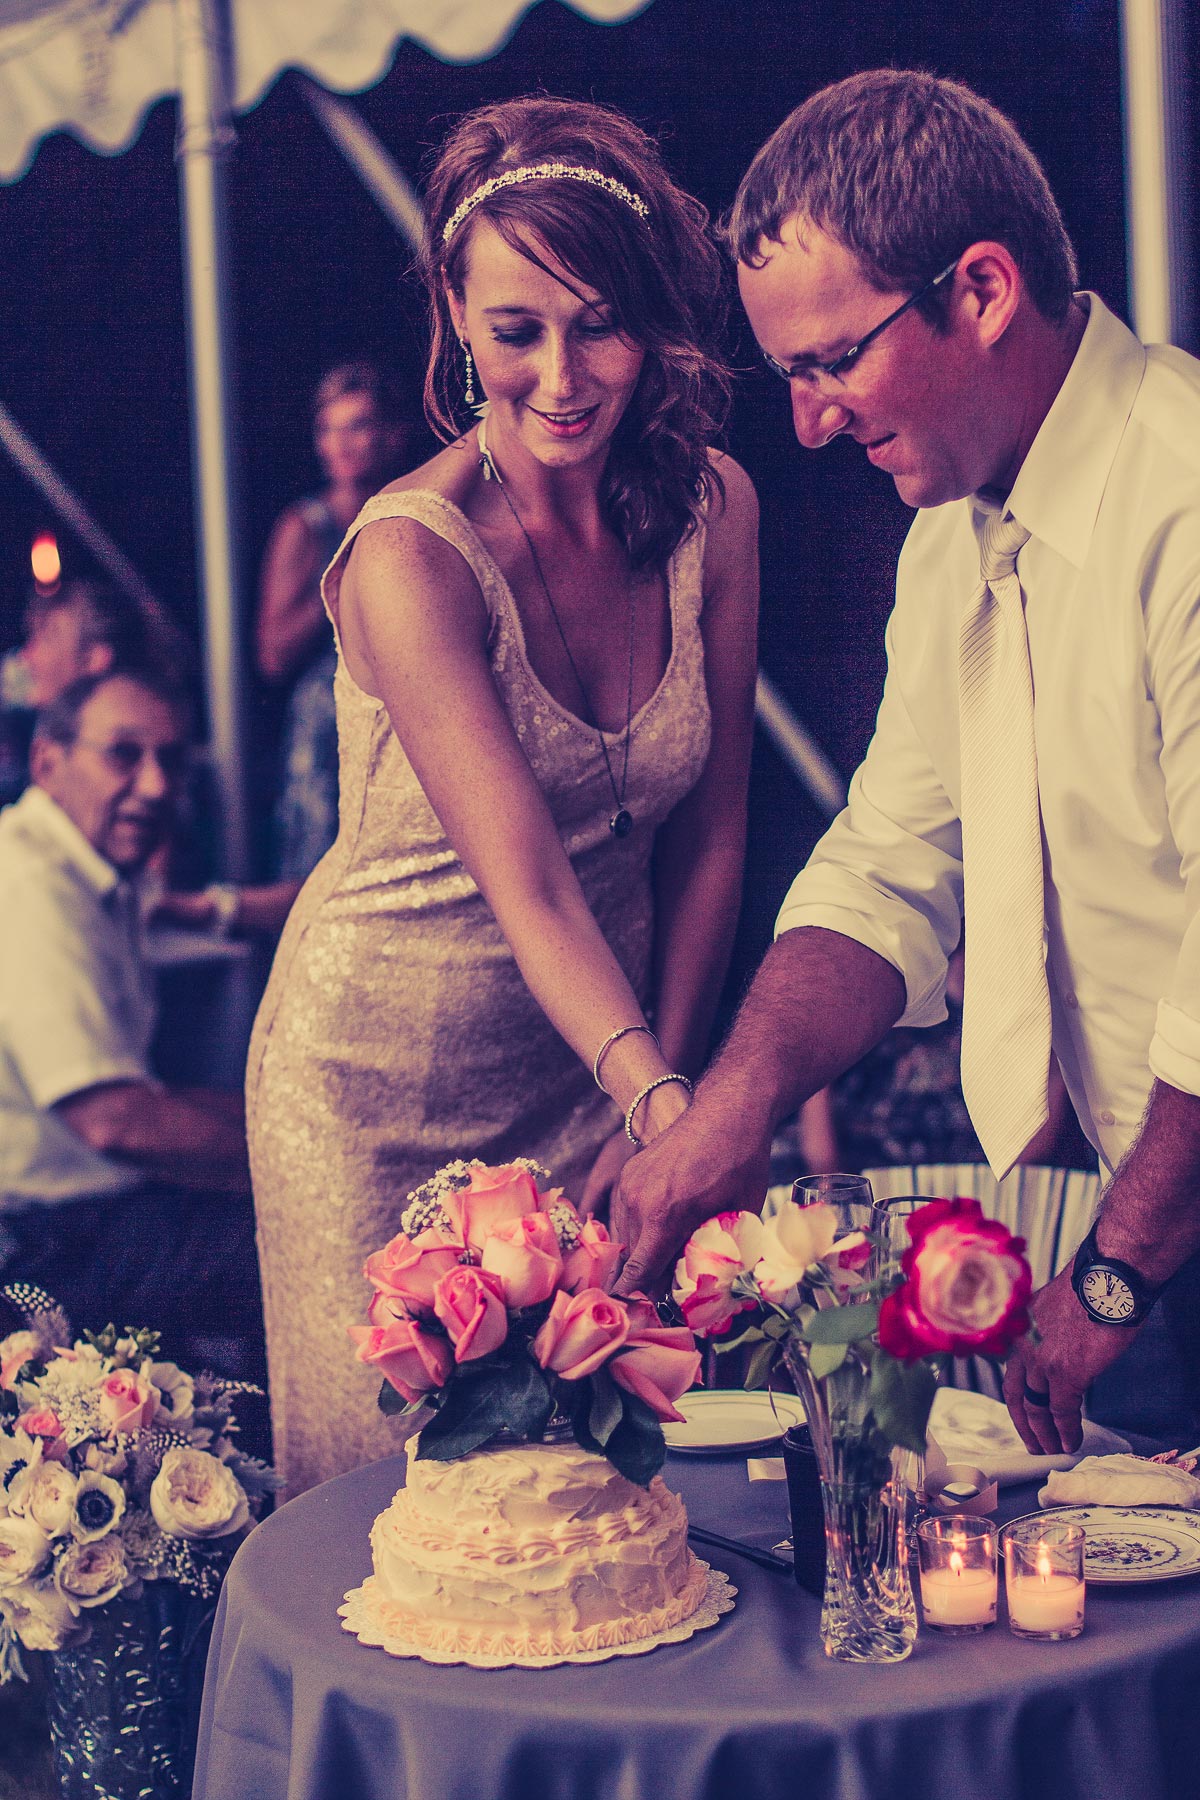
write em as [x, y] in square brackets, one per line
[545, 698]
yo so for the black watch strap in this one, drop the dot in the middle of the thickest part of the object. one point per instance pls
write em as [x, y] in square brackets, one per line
[1089, 1256]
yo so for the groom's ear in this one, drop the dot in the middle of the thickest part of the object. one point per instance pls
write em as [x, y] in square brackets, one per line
[990, 287]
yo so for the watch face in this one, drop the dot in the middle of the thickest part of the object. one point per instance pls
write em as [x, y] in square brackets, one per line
[1106, 1295]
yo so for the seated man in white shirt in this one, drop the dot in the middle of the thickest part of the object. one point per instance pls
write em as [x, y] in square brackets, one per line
[906, 271]
[128, 1201]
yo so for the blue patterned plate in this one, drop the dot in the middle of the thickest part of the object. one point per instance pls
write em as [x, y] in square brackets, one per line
[1131, 1543]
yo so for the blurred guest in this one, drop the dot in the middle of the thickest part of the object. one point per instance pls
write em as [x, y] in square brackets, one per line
[360, 436]
[126, 1199]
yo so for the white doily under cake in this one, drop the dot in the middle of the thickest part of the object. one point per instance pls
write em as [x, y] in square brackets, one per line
[363, 1608]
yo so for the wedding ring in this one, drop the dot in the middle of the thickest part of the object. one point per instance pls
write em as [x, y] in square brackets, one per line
[1036, 1399]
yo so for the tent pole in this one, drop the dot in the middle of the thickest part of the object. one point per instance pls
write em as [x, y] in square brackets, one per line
[71, 510]
[205, 136]
[377, 170]
[1157, 158]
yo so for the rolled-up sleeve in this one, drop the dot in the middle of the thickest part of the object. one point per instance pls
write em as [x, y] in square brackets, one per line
[888, 872]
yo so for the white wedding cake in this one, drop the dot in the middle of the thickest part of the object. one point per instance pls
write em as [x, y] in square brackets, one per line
[538, 1550]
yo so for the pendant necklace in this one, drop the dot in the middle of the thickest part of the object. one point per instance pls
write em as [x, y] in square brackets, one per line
[621, 822]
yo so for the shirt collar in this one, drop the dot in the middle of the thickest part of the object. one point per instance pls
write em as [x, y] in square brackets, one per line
[1061, 482]
[47, 818]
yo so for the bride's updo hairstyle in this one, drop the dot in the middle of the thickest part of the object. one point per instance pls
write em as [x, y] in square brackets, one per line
[660, 273]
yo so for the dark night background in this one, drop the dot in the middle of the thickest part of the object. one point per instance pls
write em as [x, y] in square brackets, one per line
[91, 304]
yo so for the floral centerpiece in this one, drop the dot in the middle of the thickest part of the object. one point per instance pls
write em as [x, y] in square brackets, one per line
[862, 1340]
[490, 1311]
[116, 1469]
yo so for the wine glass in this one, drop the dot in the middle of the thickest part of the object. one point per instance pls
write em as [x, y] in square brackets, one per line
[849, 1195]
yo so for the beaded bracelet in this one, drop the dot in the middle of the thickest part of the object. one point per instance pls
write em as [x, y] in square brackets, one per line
[649, 1088]
[610, 1040]
[225, 901]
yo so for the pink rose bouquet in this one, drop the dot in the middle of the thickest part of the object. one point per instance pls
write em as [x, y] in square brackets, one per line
[822, 1301]
[116, 1468]
[490, 1311]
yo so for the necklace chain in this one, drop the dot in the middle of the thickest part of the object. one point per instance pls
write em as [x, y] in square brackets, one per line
[621, 822]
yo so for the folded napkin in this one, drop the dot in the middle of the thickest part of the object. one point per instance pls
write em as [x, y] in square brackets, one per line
[1121, 1481]
[972, 1428]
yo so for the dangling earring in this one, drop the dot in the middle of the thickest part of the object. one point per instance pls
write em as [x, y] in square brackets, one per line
[469, 391]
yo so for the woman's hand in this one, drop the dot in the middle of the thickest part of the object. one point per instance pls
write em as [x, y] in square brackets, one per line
[615, 1152]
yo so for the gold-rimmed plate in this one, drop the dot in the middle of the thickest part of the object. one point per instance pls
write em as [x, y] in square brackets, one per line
[719, 1421]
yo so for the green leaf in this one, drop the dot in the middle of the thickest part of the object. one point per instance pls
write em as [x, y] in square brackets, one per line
[843, 1324]
[901, 1396]
[759, 1365]
[751, 1335]
[471, 1413]
[605, 1411]
[823, 1359]
[524, 1397]
[393, 1404]
[636, 1448]
[775, 1327]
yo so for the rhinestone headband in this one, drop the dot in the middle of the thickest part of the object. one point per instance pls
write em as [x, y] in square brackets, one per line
[551, 171]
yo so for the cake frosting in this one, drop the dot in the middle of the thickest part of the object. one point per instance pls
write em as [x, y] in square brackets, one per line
[538, 1550]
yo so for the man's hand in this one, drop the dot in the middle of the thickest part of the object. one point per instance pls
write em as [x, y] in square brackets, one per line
[597, 1194]
[1070, 1350]
[705, 1163]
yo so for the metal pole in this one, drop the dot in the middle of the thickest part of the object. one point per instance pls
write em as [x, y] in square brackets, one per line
[205, 137]
[1158, 154]
[807, 762]
[71, 510]
[375, 167]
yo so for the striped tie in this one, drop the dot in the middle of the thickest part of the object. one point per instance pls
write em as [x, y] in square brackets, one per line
[1006, 1002]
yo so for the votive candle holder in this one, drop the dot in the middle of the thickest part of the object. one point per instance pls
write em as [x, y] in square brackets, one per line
[1043, 1579]
[957, 1558]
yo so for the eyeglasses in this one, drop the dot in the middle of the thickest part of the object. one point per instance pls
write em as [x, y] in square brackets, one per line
[811, 372]
[125, 756]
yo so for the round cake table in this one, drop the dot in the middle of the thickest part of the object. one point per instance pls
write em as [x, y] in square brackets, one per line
[296, 1709]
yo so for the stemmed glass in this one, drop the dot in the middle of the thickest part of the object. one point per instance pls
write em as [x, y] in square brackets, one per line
[890, 1221]
[850, 1194]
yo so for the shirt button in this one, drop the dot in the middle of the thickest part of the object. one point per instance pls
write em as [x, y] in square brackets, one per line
[1107, 1118]
[1071, 1001]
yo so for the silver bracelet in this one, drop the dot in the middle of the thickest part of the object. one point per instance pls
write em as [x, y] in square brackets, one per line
[659, 1081]
[610, 1040]
[225, 901]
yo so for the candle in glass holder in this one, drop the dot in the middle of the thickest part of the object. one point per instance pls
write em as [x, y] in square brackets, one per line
[958, 1572]
[1043, 1565]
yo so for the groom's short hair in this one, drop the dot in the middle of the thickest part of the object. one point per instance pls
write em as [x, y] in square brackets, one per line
[906, 170]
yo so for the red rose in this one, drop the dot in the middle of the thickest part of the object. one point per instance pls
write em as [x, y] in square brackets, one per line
[967, 1285]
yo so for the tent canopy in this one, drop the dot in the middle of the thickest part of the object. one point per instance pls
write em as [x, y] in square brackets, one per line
[94, 67]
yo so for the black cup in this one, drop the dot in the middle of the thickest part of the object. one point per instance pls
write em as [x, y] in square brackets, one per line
[808, 1517]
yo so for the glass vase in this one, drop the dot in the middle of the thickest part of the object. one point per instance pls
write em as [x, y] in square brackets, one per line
[124, 1705]
[868, 1613]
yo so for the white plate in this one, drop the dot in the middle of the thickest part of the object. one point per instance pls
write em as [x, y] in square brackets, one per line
[729, 1419]
[1132, 1543]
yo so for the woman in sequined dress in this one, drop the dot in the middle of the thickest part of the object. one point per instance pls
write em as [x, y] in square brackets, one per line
[545, 697]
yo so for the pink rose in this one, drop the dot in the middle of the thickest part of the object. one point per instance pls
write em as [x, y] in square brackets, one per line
[495, 1197]
[581, 1332]
[848, 1261]
[470, 1305]
[715, 1255]
[525, 1258]
[128, 1402]
[658, 1363]
[44, 1422]
[409, 1269]
[414, 1361]
[593, 1260]
[967, 1288]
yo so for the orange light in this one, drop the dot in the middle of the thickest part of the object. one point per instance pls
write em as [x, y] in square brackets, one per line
[1043, 1563]
[46, 562]
[956, 1563]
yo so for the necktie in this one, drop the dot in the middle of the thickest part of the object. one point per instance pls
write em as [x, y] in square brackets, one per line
[1006, 1002]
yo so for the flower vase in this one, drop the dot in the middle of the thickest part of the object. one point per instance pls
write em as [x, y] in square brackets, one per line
[124, 1705]
[868, 1613]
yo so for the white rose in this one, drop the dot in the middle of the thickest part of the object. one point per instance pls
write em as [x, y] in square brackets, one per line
[195, 1496]
[49, 1498]
[91, 1574]
[24, 1550]
[793, 1240]
[99, 1503]
[39, 1615]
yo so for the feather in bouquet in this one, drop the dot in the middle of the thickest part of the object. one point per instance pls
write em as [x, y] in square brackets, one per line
[490, 1309]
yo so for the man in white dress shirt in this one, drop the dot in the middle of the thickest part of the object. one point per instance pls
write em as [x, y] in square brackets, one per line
[905, 269]
[107, 1178]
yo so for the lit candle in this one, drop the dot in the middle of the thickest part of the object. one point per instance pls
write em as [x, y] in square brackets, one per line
[958, 1573]
[1045, 1588]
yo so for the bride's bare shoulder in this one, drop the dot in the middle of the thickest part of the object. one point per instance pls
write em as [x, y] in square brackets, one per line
[453, 473]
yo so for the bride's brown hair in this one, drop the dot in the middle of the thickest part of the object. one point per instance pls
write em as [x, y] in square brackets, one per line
[662, 276]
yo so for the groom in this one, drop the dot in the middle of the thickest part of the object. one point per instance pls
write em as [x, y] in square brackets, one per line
[1035, 763]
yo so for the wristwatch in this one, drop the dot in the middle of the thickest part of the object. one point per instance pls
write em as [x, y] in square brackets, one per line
[1110, 1291]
